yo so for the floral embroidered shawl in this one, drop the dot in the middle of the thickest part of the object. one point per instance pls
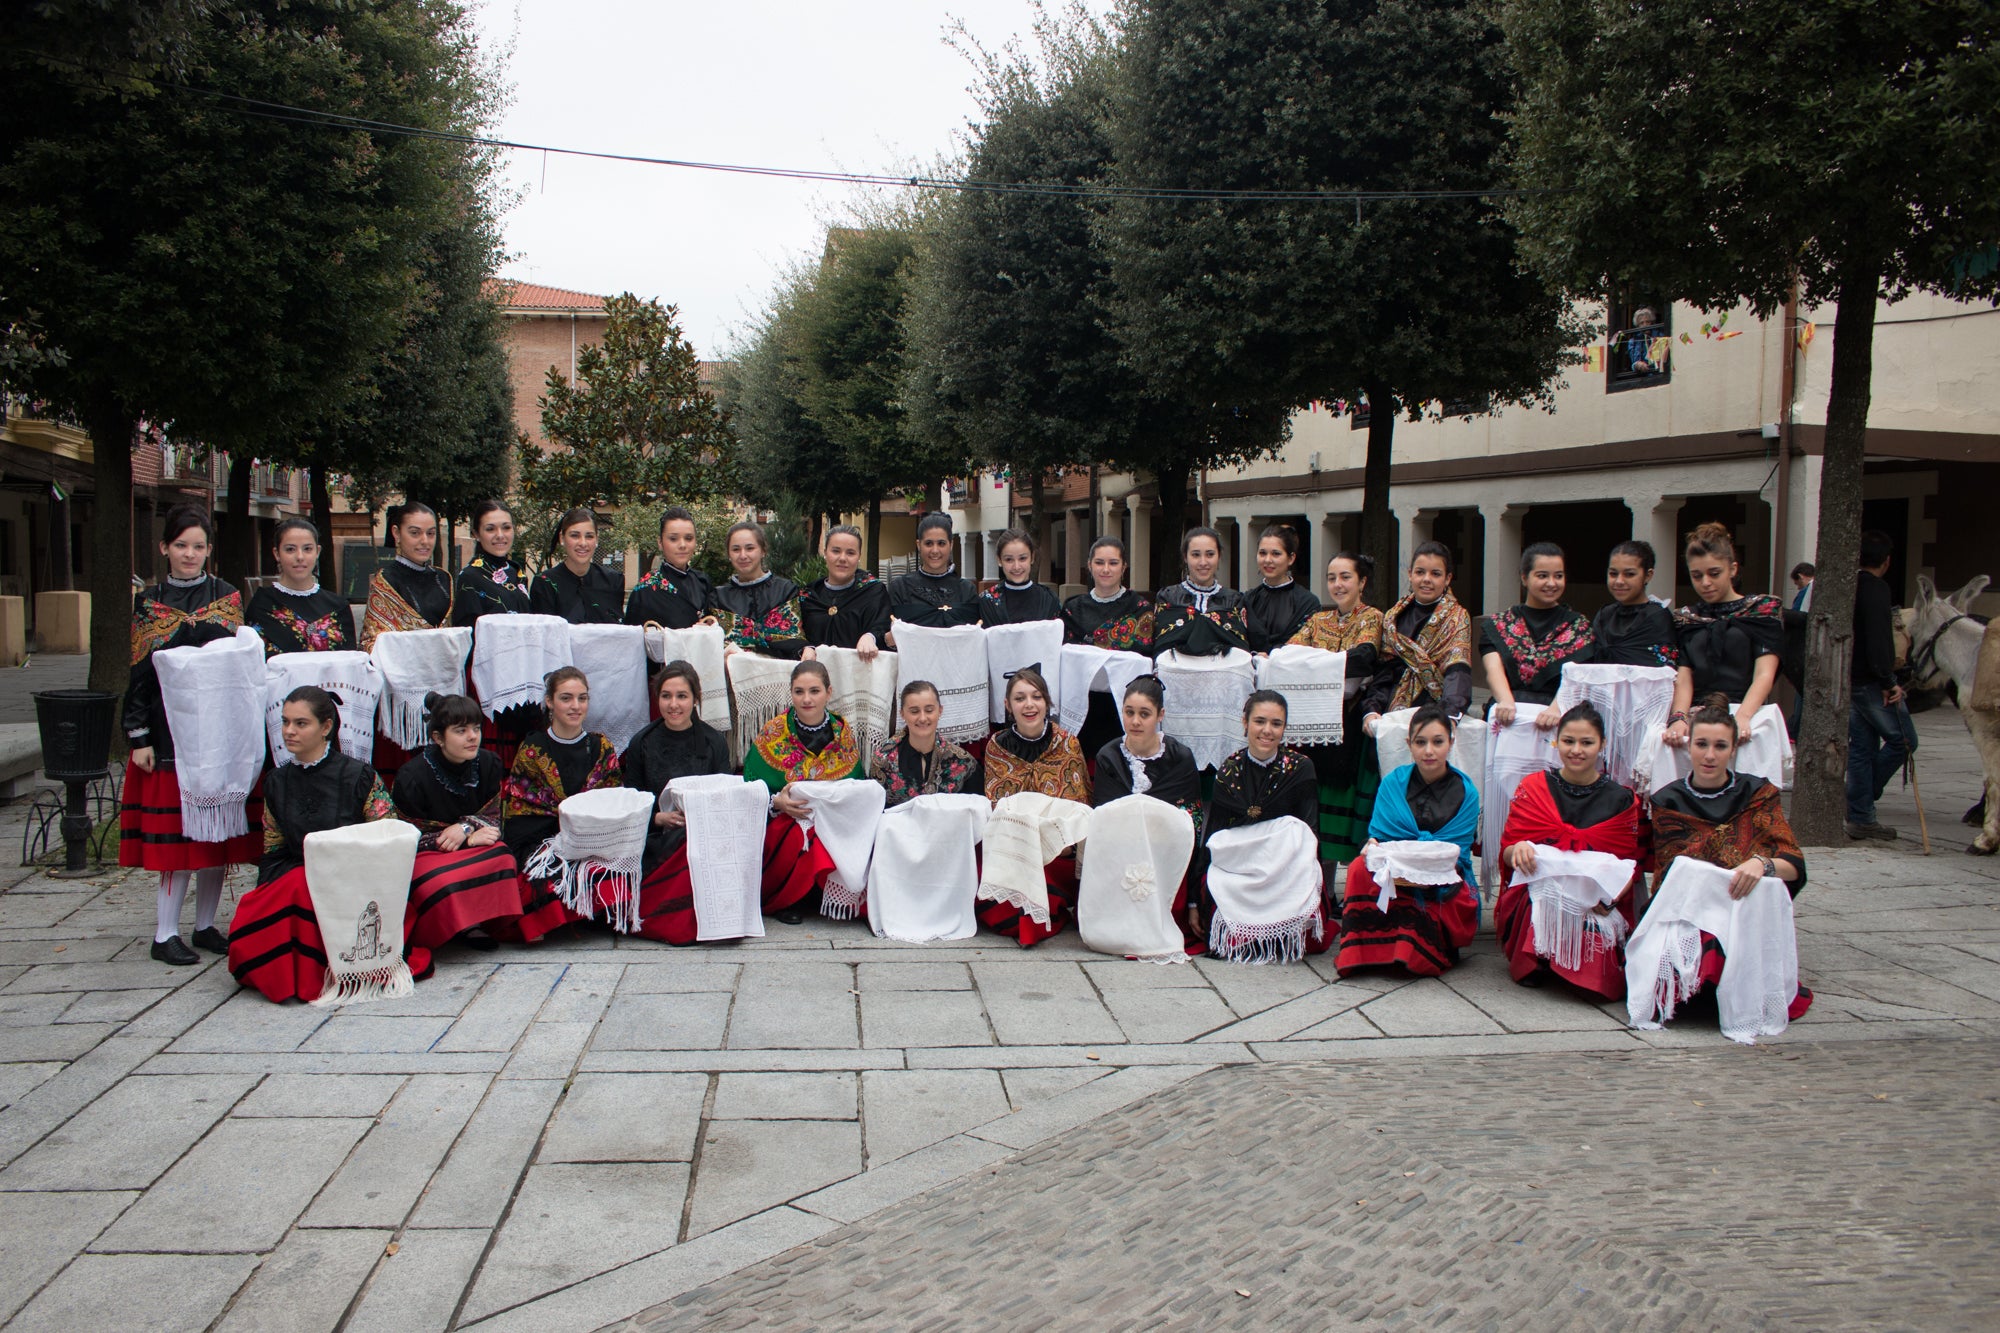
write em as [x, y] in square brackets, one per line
[777, 757]
[388, 611]
[948, 774]
[1570, 638]
[154, 624]
[1332, 632]
[1445, 641]
[535, 785]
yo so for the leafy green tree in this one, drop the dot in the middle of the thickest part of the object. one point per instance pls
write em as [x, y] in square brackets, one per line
[1243, 309]
[1742, 153]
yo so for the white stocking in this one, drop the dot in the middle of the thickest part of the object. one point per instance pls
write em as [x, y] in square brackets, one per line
[207, 896]
[173, 892]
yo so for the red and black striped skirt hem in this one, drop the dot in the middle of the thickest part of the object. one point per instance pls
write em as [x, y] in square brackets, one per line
[149, 826]
[275, 946]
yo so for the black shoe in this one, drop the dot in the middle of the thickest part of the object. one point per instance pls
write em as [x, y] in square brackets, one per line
[175, 952]
[1871, 832]
[792, 917]
[212, 940]
[480, 940]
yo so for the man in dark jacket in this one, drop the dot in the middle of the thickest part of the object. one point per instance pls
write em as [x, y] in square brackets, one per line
[1880, 735]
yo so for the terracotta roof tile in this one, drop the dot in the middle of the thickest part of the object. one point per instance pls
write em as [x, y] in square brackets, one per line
[534, 296]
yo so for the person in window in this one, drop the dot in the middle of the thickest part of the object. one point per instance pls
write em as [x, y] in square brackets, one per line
[1635, 345]
[577, 588]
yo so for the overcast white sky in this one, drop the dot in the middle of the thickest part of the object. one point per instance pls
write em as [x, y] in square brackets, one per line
[844, 86]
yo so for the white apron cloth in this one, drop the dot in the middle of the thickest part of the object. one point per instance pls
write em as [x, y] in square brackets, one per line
[1564, 891]
[725, 851]
[864, 693]
[512, 656]
[213, 696]
[843, 815]
[359, 881]
[613, 657]
[1512, 752]
[1266, 880]
[1634, 700]
[1010, 648]
[1468, 746]
[1027, 831]
[760, 688]
[923, 883]
[954, 660]
[1768, 755]
[1314, 683]
[351, 675]
[416, 662]
[598, 853]
[1204, 702]
[1087, 668]
[1414, 862]
[1663, 957]
[700, 646]
[1134, 858]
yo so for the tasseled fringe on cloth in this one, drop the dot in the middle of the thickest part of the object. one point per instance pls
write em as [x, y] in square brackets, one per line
[404, 721]
[1038, 912]
[1562, 925]
[837, 902]
[1275, 942]
[582, 885]
[214, 818]
[392, 982]
[1680, 972]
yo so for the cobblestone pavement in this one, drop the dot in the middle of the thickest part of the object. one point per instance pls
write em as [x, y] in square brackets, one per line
[565, 1137]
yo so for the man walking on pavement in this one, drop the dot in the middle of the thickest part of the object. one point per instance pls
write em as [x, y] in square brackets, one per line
[1880, 734]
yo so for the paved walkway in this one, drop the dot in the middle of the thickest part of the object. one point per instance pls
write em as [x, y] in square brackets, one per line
[566, 1137]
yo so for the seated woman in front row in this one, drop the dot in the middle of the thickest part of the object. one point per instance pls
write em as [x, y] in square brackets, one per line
[1261, 782]
[1574, 808]
[677, 744]
[1145, 761]
[1032, 754]
[916, 761]
[806, 743]
[275, 944]
[553, 764]
[465, 877]
[1425, 801]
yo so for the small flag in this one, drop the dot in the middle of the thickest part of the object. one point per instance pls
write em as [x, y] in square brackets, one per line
[1593, 359]
[1805, 335]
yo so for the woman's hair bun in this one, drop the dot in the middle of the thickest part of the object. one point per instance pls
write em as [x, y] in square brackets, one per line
[432, 700]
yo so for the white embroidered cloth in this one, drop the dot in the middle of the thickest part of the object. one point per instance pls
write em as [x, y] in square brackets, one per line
[351, 675]
[760, 688]
[864, 693]
[614, 658]
[1027, 831]
[726, 815]
[416, 662]
[1768, 755]
[700, 646]
[597, 854]
[843, 815]
[1513, 751]
[954, 660]
[1468, 746]
[1009, 648]
[1134, 858]
[1663, 956]
[1204, 702]
[1634, 700]
[359, 880]
[923, 883]
[213, 694]
[1314, 683]
[1087, 668]
[1266, 880]
[1564, 891]
[511, 656]
[1412, 860]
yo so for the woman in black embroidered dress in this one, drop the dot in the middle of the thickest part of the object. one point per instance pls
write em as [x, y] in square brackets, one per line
[1730, 643]
[675, 594]
[847, 607]
[296, 614]
[1109, 615]
[409, 593]
[676, 744]
[492, 584]
[1198, 616]
[1524, 647]
[1263, 781]
[916, 761]
[1634, 630]
[758, 610]
[1145, 761]
[1017, 599]
[1279, 606]
[466, 877]
[934, 594]
[578, 588]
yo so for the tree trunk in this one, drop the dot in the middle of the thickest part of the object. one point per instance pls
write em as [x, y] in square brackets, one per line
[1819, 805]
[60, 577]
[1378, 522]
[1173, 484]
[111, 428]
[239, 541]
[1037, 497]
[873, 555]
[319, 497]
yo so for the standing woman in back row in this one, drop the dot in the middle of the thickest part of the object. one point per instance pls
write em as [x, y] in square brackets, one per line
[409, 593]
[296, 614]
[1633, 630]
[847, 607]
[1729, 642]
[1017, 599]
[1347, 773]
[577, 587]
[1426, 644]
[492, 584]
[1278, 607]
[934, 594]
[1524, 647]
[758, 610]
[1198, 616]
[1109, 615]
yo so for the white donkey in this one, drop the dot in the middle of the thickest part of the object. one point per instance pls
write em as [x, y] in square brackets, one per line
[1945, 644]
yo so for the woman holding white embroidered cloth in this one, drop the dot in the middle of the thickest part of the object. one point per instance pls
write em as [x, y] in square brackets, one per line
[1261, 884]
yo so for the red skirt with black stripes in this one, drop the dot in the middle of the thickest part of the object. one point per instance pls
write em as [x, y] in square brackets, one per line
[275, 946]
[1006, 919]
[453, 892]
[149, 826]
[1421, 937]
[541, 912]
[792, 870]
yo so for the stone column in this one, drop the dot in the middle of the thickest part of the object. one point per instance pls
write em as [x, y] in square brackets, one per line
[1141, 512]
[1660, 523]
[1503, 553]
[989, 562]
[1076, 543]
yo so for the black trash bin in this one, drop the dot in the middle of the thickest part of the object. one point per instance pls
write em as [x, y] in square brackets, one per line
[76, 751]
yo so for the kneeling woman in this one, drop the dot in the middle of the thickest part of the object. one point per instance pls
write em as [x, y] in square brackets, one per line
[466, 878]
[1728, 819]
[677, 744]
[1147, 762]
[805, 743]
[1425, 925]
[1260, 783]
[1032, 754]
[551, 765]
[275, 943]
[1575, 808]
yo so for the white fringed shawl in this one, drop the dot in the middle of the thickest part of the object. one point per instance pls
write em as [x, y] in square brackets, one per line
[359, 880]
[512, 654]
[1010, 648]
[923, 883]
[1314, 683]
[864, 693]
[1564, 891]
[761, 688]
[351, 675]
[597, 854]
[1086, 667]
[1634, 701]
[1266, 880]
[1768, 755]
[1663, 957]
[1204, 702]
[725, 851]
[701, 647]
[1413, 862]
[416, 662]
[843, 815]
[1134, 858]
[1027, 831]
[213, 694]
[1513, 751]
[613, 658]
[954, 660]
